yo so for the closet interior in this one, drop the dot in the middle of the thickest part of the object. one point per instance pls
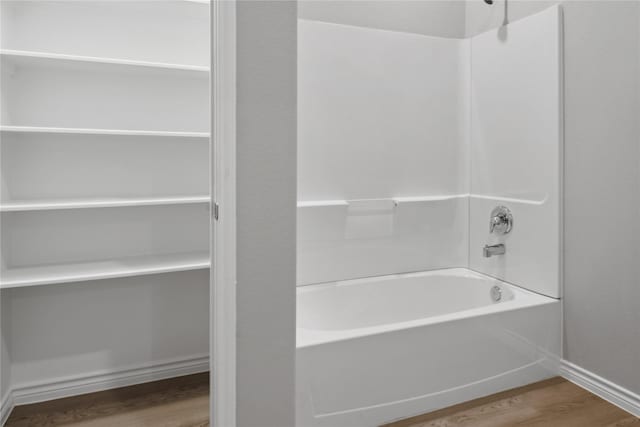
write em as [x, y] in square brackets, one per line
[105, 200]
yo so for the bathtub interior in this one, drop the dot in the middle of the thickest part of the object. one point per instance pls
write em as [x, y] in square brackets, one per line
[353, 308]
[397, 298]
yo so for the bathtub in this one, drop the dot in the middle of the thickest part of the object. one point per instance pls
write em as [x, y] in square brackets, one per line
[371, 351]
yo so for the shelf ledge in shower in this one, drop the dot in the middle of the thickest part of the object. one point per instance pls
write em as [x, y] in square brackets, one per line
[323, 203]
[24, 57]
[393, 200]
[114, 132]
[535, 199]
[100, 270]
[418, 199]
[59, 204]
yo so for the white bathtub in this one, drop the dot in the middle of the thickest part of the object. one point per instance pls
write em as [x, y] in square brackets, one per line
[370, 351]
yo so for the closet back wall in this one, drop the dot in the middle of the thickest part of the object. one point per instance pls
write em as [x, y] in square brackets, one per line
[91, 334]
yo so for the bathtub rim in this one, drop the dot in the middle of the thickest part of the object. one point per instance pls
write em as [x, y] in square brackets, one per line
[522, 299]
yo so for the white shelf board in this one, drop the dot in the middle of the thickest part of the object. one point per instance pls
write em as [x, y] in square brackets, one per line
[99, 270]
[115, 132]
[23, 57]
[44, 205]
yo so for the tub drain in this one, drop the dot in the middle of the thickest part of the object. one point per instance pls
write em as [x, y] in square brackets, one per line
[496, 293]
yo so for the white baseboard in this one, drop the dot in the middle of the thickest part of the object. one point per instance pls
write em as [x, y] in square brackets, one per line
[6, 406]
[599, 386]
[99, 381]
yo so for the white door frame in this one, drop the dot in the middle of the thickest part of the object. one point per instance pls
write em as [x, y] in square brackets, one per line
[223, 228]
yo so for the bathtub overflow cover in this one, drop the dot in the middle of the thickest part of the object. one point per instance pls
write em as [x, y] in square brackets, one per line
[496, 293]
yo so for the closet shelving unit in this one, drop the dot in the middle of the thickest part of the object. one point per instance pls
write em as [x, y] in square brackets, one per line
[104, 144]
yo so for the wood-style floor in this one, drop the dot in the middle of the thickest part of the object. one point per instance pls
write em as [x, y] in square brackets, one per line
[184, 402]
[178, 402]
[551, 403]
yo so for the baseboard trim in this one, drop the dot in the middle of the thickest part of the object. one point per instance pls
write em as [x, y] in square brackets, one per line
[99, 381]
[601, 387]
[6, 406]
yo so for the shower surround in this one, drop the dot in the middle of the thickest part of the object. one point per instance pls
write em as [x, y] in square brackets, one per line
[406, 144]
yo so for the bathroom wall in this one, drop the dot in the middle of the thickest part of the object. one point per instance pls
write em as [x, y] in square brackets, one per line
[479, 17]
[602, 274]
[384, 139]
[602, 180]
[382, 152]
[266, 216]
[440, 18]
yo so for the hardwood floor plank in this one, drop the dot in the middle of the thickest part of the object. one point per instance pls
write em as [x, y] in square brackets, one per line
[177, 402]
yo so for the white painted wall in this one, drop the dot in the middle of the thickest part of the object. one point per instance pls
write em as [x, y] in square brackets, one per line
[5, 361]
[85, 329]
[516, 148]
[602, 274]
[174, 166]
[266, 213]
[170, 31]
[369, 129]
[602, 179]
[440, 18]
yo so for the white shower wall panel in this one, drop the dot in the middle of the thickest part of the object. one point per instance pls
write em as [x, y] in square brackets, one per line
[516, 149]
[382, 115]
[337, 242]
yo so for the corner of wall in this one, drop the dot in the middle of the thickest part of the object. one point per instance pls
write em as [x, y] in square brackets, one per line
[6, 398]
[6, 406]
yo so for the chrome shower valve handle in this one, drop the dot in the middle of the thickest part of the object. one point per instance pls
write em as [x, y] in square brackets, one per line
[501, 221]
